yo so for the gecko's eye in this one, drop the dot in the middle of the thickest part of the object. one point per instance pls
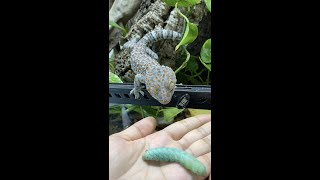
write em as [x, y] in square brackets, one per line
[171, 86]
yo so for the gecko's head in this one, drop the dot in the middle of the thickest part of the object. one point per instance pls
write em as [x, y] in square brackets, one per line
[160, 83]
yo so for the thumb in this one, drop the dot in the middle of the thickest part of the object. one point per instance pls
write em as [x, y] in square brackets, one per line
[140, 129]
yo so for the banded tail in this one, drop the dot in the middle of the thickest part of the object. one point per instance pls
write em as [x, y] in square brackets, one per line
[158, 35]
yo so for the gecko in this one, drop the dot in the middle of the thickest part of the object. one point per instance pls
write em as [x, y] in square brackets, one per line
[160, 81]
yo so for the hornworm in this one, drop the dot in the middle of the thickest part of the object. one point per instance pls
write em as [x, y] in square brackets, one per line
[175, 155]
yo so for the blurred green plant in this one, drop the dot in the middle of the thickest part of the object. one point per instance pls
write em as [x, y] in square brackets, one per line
[190, 34]
[114, 78]
[208, 4]
[182, 3]
[167, 114]
[123, 29]
[170, 113]
[205, 54]
[205, 57]
[111, 61]
[115, 109]
[190, 31]
[194, 73]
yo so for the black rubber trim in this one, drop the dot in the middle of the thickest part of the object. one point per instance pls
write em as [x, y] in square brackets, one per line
[200, 96]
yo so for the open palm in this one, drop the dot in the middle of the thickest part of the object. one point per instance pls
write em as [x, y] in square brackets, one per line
[192, 135]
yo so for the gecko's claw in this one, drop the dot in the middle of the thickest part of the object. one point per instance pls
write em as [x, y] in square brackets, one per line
[141, 92]
[136, 93]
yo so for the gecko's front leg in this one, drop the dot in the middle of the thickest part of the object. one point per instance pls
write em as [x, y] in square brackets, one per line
[130, 44]
[138, 79]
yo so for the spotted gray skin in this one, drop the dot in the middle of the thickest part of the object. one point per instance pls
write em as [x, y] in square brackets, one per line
[160, 80]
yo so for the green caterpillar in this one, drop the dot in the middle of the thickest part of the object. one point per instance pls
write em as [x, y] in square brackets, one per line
[176, 155]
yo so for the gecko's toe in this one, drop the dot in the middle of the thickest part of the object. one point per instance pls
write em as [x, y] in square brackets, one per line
[134, 92]
[137, 95]
[131, 92]
[141, 92]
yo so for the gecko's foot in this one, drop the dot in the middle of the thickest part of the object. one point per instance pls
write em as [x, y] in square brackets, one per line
[136, 93]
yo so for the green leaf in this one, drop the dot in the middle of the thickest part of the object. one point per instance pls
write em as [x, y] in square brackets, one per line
[192, 65]
[111, 67]
[195, 112]
[171, 113]
[184, 64]
[149, 111]
[208, 66]
[114, 78]
[182, 3]
[208, 3]
[146, 110]
[115, 109]
[194, 81]
[132, 108]
[189, 35]
[182, 78]
[111, 61]
[126, 27]
[135, 108]
[111, 23]
[206, 51]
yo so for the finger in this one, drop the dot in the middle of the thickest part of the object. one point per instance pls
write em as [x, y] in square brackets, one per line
[206, 161]
[180, 128]
[139, 129]
[195, 135]
[200, 147]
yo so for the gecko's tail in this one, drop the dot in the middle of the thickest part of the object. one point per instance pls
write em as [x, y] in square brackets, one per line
[157, 35]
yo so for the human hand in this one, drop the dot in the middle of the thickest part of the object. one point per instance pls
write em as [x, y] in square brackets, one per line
[192, 135]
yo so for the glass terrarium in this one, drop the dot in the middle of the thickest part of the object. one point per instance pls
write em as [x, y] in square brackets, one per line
[149, 36]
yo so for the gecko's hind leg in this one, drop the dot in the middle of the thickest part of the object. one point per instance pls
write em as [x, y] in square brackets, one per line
[136, 91]
[152, 54]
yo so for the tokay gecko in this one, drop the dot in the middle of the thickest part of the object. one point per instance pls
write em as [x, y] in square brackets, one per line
[160, 80]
